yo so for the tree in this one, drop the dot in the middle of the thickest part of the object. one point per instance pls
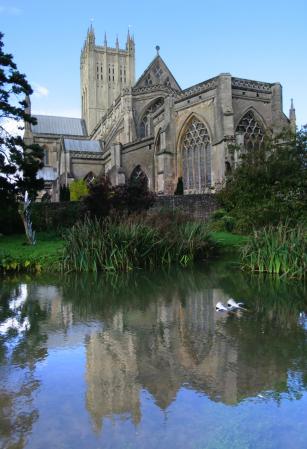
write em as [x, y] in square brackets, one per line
[269, 184]
[19, 160]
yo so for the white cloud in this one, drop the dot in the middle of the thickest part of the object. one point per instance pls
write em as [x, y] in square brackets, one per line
[40, 91]
[10, 10]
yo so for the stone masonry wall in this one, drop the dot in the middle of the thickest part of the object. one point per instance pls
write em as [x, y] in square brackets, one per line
[197, 206]
[52, 216]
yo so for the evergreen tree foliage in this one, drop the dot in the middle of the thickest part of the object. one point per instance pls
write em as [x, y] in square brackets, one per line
[19, 162]
[179, 188]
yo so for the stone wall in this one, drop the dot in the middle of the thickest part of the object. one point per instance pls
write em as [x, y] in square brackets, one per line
[54, 216]
[197, 206]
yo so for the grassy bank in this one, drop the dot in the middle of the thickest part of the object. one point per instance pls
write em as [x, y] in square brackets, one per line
[227, 240]
[17, 255]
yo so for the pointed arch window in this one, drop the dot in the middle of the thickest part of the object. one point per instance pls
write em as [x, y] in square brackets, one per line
[145, 122]
[138, 177]
[89, 178]
[196, 158]
[252, 131]
[144, 127]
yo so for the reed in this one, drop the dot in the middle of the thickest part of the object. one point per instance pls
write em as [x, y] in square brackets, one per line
[279, 250]
[93, 246]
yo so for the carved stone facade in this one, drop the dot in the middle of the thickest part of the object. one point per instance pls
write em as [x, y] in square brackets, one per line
[153, 124]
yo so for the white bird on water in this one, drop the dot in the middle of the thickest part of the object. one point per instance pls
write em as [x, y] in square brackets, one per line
[220, 307]
[233, 305]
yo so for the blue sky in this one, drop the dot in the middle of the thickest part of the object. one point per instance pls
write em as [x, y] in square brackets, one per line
[262, 40]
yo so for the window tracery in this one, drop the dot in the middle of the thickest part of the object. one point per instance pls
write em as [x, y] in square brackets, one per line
[138, 177]
[196, 158]
[145, 122]
[252, 131]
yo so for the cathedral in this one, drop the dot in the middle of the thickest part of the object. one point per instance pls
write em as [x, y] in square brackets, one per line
[152, 128]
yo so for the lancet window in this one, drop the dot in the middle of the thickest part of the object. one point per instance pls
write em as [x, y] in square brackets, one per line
[252, 131]
[138, 177]
[196, 158]
[145, 122]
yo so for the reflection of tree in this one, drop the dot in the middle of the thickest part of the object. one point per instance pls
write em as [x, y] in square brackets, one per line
[22, 349]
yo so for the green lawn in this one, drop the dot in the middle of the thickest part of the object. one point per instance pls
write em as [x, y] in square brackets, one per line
[228, 240]
[15, 252]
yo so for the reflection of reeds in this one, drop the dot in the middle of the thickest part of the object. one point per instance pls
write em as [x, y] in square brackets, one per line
[91, 246]
[278, 250]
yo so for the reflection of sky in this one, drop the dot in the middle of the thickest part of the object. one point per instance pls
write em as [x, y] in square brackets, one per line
[303, 320]
[168, 374]
[16, 322]
[191, 421]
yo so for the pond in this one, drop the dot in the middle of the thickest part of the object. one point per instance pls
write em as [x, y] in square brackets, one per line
[145, 361]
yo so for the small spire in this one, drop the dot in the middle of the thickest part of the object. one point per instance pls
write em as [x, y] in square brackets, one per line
[292, 116]
[91, 28]
[128, 35]
[117, 42]
[158, 49]
[105, 39]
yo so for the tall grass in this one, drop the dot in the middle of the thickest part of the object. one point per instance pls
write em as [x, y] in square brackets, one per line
[278, 250]
[112, 247]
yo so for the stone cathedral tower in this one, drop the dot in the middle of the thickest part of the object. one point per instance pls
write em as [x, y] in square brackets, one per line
[105, 71]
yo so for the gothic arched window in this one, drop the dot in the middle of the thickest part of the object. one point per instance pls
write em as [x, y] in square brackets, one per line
[89, 178]
[138, 177]
[145, 122]
[196, 158]
[144, 126]
[252, 131]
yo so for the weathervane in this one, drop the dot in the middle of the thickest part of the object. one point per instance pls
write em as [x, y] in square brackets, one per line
[158, 49]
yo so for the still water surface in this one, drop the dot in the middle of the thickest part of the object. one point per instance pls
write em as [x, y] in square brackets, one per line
[145, 361]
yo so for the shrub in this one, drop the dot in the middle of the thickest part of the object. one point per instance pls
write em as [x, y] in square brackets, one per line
[78, 190]
[130, 198]
[278, 250]
[98, 201]
[222, 221]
